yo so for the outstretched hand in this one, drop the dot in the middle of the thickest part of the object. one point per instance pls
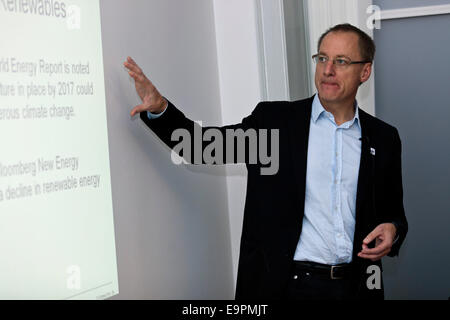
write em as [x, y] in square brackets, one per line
[383, 235]
[152, 100]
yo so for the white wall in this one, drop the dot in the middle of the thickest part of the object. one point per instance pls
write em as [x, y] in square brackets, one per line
[171, 222]
[240, 90]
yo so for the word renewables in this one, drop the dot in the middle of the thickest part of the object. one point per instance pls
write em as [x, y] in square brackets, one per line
[220, 146]
[49, 8]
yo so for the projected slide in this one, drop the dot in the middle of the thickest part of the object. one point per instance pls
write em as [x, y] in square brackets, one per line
[56, 217]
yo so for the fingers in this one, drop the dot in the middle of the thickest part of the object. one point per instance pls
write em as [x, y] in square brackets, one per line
[131, 65]
[374, 257]
[132, 62]
[144, 88]
[382, 248]
[375, 233]
[384, 245]
[138, 109]
[136, 73]
[133, 68]
[137, 77]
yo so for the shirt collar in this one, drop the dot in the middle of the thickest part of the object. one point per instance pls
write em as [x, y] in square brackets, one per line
[318, 109]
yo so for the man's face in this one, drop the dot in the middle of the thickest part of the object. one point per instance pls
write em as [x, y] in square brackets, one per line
[340, 84]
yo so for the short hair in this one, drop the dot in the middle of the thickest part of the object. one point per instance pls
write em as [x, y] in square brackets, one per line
[366, 44]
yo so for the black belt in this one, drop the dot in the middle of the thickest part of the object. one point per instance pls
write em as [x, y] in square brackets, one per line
[341, 271]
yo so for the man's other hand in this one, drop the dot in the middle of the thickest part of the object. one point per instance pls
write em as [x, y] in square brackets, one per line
[152, 100]
[383, 235]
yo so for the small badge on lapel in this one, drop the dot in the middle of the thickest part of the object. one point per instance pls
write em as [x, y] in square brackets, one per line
[372, 151]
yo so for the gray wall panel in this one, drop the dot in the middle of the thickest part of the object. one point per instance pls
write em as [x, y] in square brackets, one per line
[412, 86]
[296, 49]
[396, 4]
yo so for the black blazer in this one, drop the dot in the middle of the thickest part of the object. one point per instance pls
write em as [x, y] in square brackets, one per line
[274, 205]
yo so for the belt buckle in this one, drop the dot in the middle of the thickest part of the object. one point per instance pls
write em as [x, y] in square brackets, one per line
[332, 273]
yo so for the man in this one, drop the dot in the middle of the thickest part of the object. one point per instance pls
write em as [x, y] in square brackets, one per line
[318, 228]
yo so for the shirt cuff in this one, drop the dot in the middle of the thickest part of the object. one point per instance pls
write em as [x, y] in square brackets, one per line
[396, 228]
[396, 238]
[156, 116]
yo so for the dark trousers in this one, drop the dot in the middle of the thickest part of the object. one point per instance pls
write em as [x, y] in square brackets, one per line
[305, 284]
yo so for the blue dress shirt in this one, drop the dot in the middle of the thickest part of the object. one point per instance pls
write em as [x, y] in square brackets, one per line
[331, 183]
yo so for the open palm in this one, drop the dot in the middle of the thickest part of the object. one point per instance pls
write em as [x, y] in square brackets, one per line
[152, 100]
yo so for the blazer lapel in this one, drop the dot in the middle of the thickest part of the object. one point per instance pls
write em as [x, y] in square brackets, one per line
[364, 181]
[299, 125]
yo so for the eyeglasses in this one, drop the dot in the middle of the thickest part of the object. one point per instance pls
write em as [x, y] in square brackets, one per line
[341, 62]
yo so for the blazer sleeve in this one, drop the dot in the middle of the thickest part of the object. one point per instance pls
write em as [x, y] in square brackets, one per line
[395, 196]
[173, 120]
